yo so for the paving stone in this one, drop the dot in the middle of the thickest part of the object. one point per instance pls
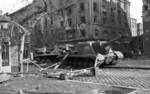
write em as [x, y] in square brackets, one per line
[123, 77]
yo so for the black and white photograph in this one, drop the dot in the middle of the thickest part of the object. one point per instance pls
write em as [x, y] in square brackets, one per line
[74, 46]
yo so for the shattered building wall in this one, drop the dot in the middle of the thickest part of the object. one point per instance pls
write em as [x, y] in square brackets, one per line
[146, 26]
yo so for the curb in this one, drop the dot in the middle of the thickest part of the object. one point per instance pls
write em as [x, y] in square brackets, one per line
[136, 90]
[126, 67]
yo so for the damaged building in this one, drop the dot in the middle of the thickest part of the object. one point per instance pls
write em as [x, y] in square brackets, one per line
[146, 27]
[75, 19]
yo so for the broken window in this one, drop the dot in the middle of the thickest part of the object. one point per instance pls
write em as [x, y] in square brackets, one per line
[95, 19]
[96, 32]
[83, 19]
[95, 7]
[81, 6]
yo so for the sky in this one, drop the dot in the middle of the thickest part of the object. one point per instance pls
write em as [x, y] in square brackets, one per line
[13, 5]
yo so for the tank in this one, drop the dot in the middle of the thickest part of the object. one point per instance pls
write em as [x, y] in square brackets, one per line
[91, 53]
[46, 56]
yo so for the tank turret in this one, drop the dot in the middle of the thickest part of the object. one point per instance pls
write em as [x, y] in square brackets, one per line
[101, 48]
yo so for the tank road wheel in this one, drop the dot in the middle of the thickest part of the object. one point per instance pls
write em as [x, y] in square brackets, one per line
[63, 77]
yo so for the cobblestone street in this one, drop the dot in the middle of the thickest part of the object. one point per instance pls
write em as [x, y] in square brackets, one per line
[123, 77]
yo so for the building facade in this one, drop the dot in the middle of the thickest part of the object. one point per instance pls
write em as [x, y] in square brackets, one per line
[139, 29]
[81, 19]
[134, 27]
[103, 19]
[146, 28]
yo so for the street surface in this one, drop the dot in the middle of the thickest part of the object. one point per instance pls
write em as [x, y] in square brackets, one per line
[121, 77]
[128, 73]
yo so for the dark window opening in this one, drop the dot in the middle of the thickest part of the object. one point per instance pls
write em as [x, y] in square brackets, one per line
[96, 32]
[82, 6]
[39, 31]
[69, 11]
[145, 8]
[62, 24]
[119, 23]
[95, 19]
[105, 33]
[112, 22]
[51, 21]
[83, 33]
[126, 25]
[45, 23]
[69, 22]
[119, 13]
[52, 32]
[113, 34]
[104, 20]
[83, 19]
[95, 7]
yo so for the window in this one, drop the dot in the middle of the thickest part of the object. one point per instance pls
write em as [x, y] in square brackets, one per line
[45, 25]
[61, 36]
[105, 33]
[96, 32]
[69, 11]
[95, 19]
[125, 6]
[145, 7]
[113, 34]
[119, 13]
[81, 6]
[69, 22]
[83, 19]
[52, 32]
[118, 3]
[112, 22]
[70, 35]
[95, 7]
[119, 23]
[62, 24]
[125, 24]
[104, 20]
[83, 33]
[51, 20]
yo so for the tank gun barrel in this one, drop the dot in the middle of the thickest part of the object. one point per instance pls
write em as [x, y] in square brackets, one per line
[116, 39]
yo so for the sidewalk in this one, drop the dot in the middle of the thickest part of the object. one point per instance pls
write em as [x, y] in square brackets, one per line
[135, 64]
[4, 77]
